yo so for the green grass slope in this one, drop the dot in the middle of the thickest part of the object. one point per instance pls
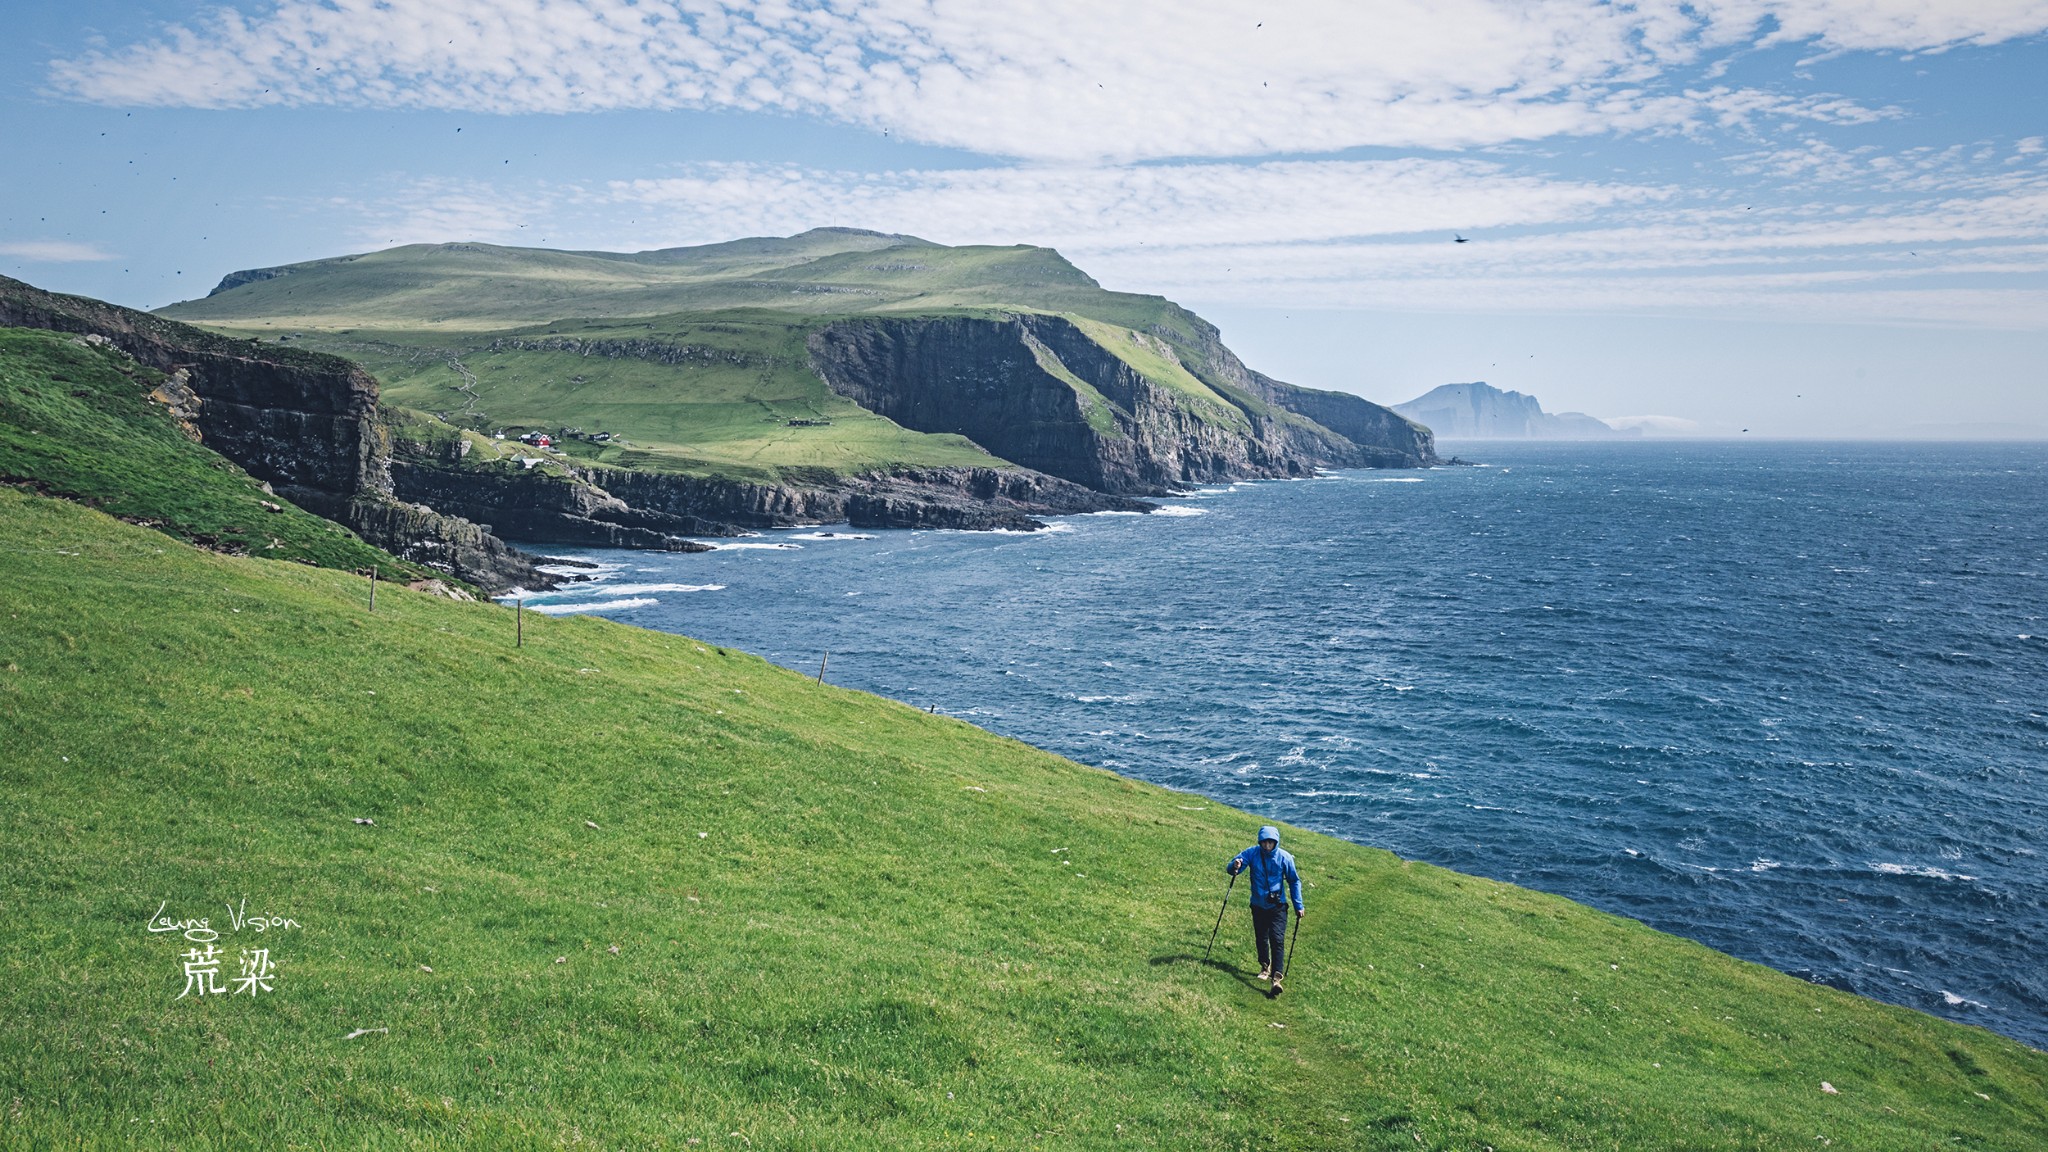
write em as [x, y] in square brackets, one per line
[428, 319]
[76, 420]
[724, 409]
[626, 890]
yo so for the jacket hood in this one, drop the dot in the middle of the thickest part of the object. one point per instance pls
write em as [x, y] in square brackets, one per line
[1268, 832]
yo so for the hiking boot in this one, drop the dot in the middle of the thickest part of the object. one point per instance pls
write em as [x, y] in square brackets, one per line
[1276, 984]
[1265, 973]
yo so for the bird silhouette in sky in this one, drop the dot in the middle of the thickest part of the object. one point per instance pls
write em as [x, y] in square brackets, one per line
[1457, 239]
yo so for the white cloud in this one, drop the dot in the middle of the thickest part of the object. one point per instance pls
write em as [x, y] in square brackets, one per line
[1966, 246]
[1059, 80]
[1184, 205]
[431, 210]
[1875, 25]
[53, 251]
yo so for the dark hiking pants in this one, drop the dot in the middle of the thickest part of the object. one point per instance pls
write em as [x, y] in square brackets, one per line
[1269, 926]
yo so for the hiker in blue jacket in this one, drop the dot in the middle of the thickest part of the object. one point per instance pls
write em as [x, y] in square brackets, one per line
[1274, 883]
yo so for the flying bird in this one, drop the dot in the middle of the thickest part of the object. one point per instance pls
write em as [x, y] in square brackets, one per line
[1457, 239]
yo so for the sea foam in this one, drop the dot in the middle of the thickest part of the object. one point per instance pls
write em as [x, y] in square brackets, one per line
[1924, 871]
[595, 606]
[643, 589]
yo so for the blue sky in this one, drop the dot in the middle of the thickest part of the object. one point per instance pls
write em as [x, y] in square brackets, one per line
[1823, 218]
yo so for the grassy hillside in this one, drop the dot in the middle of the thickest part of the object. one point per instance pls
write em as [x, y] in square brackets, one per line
[625, 890]
[432, 320]
[77, 420]
[724, 409]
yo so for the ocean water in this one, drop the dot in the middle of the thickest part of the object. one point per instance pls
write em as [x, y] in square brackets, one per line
[1790, 700]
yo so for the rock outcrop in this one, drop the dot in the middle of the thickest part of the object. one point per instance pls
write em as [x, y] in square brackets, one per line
[1346, 430]
[304, 422]
[973, 499]
[551, 506]
[627, 508]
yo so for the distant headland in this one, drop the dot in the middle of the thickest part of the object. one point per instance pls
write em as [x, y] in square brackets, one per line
[1479, 411]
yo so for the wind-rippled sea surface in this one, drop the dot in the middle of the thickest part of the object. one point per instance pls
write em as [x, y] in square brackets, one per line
[1790, 700]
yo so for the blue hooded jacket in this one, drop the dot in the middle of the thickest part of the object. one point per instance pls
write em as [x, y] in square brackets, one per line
[1273, 877]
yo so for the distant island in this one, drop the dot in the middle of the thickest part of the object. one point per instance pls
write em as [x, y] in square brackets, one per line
[1479, 411]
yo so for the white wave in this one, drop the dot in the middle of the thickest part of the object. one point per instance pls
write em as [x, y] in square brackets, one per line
[581, 571]
[1395, 480]
[595, 606]
[1180, 510]
[1212, 491]
[1954, 1001]
[1762, 865]
[1924, 871]
[745, 545]
[831, 536]
[1112, 512]
[643, 589]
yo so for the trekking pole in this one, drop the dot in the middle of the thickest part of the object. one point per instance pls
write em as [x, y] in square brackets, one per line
[1219, 918]
[1292, 940]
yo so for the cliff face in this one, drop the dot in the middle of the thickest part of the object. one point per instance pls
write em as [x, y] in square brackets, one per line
[301, 421]
[986, 380]
[1377, 437]
[1039, 390]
